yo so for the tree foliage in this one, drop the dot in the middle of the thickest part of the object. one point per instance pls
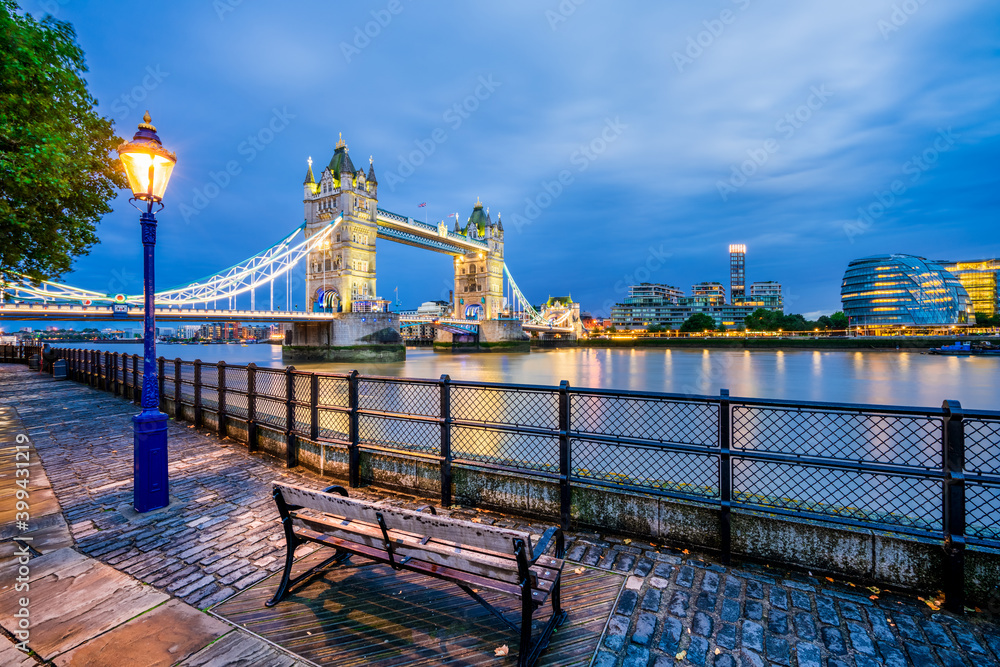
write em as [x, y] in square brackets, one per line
[698, 322]
[57, 170]
[769, 320]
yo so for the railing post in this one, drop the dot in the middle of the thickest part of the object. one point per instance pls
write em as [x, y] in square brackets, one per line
[197, 394]
[136, 389]
[565, 465]
[221, 430]
[252, 442]
[96, 384]
[725, 477]
[354, 449]
[107, 372]
[119, 373]
[953, 505]
[314, 410]
[160, 364]
[445, 441]
[291, 441]
[177, 388]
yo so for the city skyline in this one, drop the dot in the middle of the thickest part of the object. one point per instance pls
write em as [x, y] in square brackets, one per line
[864, 129]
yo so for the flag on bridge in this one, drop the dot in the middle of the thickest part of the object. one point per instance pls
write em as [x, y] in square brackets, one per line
[421, 205]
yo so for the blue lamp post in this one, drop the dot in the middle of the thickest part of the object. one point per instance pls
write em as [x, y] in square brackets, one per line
[148, 166]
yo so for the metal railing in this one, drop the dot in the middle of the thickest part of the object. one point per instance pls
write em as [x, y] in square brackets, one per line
[928, 473]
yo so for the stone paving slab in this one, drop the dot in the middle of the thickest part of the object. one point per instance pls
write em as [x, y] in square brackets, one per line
[167, 634]
[74, 599]
[11, 656]
[222, 536]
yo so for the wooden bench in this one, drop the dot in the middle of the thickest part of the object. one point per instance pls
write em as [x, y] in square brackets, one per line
[471, 555]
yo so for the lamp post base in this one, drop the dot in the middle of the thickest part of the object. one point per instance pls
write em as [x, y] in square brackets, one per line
[149, 455]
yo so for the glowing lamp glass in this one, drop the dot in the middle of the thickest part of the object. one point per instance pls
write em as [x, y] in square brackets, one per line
[147, 163]
[147, 172]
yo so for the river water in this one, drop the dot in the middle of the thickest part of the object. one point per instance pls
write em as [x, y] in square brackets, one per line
[879, 377]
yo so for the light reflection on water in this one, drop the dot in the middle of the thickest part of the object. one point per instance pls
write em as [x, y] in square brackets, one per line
[880, 377]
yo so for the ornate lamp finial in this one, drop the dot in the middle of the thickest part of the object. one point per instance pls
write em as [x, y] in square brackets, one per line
[146, 123]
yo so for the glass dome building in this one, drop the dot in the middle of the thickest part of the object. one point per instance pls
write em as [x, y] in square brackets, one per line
[903, 290]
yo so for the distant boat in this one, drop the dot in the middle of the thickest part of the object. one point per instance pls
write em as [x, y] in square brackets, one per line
[964, 349]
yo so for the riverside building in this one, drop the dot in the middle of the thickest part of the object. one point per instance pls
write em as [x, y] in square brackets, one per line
[649, 304]
[884, 294]
[979, 278]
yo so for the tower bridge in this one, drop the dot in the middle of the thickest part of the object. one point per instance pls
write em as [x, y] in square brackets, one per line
[344, 317]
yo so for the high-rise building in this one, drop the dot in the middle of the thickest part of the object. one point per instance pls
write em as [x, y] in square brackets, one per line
[737, 272]
[979, 278]
[903, 290]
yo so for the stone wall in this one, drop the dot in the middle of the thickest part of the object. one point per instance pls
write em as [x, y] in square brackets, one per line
[347, 337]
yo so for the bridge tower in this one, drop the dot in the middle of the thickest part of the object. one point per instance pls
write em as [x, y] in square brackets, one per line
[340, 276]
[479, 274]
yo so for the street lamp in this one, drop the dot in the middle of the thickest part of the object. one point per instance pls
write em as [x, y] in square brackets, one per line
[148, 165]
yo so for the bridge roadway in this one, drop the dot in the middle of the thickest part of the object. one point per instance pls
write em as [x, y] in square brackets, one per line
[408, 231]
[63, 311]
[69, 312]
[469, 326]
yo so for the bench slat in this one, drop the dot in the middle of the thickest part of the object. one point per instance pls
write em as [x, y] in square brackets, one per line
[477, 535]
[447, 554]
[430, 569]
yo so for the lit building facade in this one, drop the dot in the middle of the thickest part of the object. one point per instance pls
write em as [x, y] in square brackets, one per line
[979, 278]
[767, 295]
[708, 294]
[903, 290]
[738, 272]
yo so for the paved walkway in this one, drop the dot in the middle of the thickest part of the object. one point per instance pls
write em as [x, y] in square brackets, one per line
[219, 536]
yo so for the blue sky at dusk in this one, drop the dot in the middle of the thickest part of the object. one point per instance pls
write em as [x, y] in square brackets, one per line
[684, 127]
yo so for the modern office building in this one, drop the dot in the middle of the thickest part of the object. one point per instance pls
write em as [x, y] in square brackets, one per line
[979, 278]
[738, 272]
[887, 291]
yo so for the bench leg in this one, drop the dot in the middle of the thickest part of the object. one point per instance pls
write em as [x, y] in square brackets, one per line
[291, 542]
[524, 657]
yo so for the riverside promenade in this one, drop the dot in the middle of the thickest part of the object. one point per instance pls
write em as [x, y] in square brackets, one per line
[110, 587]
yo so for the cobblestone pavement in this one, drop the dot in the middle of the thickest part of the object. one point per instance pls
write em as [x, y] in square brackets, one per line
[220, 536]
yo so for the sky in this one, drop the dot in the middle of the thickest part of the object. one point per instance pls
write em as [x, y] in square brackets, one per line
[814, 133]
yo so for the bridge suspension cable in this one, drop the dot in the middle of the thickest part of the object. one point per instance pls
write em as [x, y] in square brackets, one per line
[519, 303]
[246, 276]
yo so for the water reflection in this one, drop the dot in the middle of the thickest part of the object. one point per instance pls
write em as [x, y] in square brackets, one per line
[889, 377]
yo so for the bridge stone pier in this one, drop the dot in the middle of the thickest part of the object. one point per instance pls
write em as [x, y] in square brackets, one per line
[347, 337]
[493, 336]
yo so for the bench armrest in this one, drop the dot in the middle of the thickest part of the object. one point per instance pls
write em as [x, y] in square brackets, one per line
[543, 543]
[336, 489]
[427, 507]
